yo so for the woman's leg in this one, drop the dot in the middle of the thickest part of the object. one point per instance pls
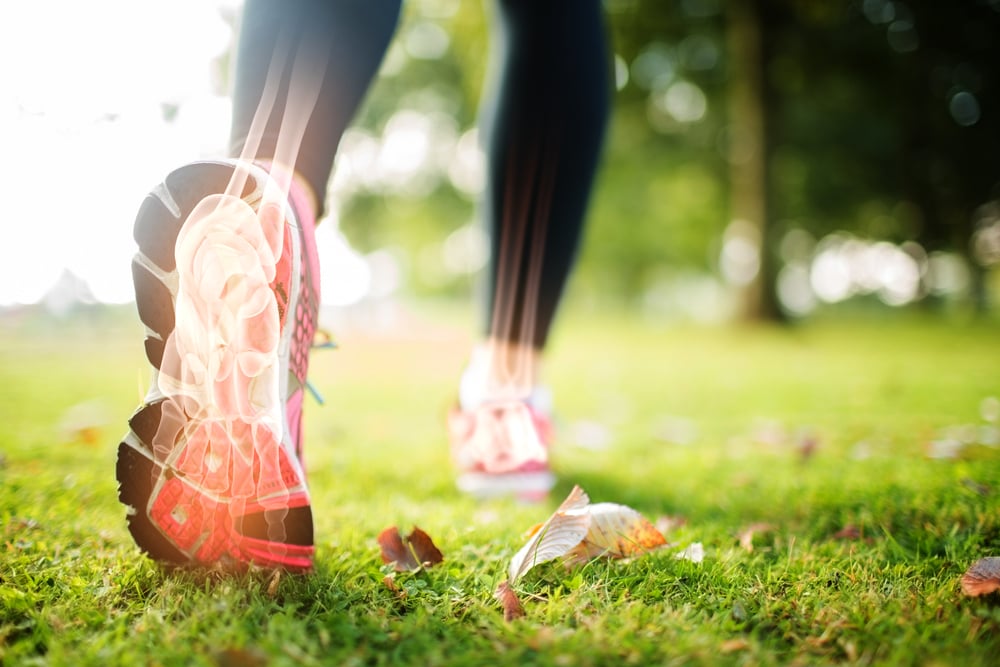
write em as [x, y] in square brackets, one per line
[227, 285]
[544, 121]
[334, 48]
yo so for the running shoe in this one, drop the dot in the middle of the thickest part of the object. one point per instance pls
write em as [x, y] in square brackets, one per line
[501, 448]
[227, 287]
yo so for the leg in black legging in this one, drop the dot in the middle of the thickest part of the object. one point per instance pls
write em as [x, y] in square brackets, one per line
[544, 122]
[343, 41]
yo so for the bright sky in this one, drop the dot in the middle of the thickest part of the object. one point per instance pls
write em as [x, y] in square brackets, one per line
[82, 92]
[83, 133]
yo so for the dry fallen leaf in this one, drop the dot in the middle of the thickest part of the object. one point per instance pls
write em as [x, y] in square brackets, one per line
[423, 546]
[395, 551]
[411, 554]
[616, 531]
[512, 608]
[747, 534]
[240, 657]
[272, 586]
[807, 446]
[733, 645]
[976, 487]
[983, 577]
[580, 531]
[556, 537]
[84, 423]
[848, 532]
[390, 582]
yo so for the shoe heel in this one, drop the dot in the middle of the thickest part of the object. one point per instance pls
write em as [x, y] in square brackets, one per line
[180, 511]
[136, 474]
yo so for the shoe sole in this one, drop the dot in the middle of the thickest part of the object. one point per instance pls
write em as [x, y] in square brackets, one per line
[501, 450]
[203, 470]
[527, 486]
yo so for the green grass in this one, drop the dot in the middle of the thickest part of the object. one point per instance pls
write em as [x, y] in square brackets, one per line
[746, 405]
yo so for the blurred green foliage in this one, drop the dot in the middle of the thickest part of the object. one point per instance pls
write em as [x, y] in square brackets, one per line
[882, 120]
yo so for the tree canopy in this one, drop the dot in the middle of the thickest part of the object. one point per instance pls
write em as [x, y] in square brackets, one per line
[879, 170]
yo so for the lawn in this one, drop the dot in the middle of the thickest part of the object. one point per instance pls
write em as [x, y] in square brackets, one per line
[840, 475]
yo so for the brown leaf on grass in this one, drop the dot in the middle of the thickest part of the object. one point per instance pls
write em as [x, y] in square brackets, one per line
[579, 531]
[848, 532]
[240, 657]
[976, 487]
[423, 546]
[747, 534]
[807, 446]
[556, 537]
[983, 577]
[616, 531]
[272, 586]
[733, 645]
[414, 552]
[508, 599]
[84, 423]
[389, 581]
[395, 551]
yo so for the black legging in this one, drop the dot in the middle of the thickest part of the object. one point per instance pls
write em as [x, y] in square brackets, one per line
[544, 125]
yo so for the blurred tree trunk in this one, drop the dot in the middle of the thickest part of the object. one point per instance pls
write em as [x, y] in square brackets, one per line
[748, 153]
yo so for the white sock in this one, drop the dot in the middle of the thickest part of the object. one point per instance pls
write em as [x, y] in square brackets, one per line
[475, 387]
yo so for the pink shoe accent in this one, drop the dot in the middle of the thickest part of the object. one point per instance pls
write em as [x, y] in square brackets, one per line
[307, 310]
[210, 465]
[501, 448]
[294, 411]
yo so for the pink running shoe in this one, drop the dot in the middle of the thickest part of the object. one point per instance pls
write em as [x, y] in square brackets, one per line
[211, 469]
[501, 448]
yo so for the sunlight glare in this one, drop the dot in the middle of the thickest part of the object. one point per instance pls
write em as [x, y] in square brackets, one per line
[84, 130]
[346, 276]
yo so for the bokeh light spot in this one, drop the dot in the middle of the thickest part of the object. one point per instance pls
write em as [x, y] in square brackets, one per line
[346, 277]
[878, 11]
[794, 292]
[739, 260]
[902, 36]
[830, 276]
[426, 40]
[947, 274]
[653, 69]
[684, 101]
[467, 169]
[964, 108]
[465, 250]
[621, 72]
[698, 52]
